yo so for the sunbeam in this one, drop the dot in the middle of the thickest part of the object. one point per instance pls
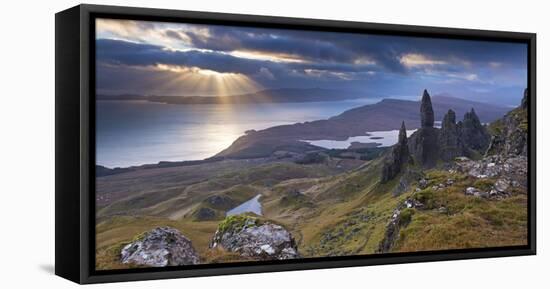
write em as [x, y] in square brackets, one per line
[195, 81]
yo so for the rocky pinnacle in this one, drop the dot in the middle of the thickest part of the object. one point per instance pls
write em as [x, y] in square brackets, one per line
[449, 120]
[398, 157]
[402, 134]
[474, 134]
[426, 111]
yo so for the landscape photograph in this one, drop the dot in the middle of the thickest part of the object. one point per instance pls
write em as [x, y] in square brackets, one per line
[229, 144]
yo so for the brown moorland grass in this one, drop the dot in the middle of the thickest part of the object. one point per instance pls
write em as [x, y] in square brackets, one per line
[352, 208]
[466, 221]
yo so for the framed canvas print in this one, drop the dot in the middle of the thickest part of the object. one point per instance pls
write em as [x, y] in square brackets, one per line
[193, 144]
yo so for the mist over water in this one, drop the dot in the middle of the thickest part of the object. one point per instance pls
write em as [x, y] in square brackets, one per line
[139, 132]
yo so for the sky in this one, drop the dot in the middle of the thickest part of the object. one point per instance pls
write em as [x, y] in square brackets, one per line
[159, 58]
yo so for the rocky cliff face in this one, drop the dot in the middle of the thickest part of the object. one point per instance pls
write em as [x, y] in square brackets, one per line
[160, 247]
[510, 133]
[398, 157]
[506, 158]
[254, 238]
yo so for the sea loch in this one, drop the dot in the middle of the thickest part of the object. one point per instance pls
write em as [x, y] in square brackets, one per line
[133, 132]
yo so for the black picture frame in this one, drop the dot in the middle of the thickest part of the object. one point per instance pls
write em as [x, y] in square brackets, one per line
[75, 143]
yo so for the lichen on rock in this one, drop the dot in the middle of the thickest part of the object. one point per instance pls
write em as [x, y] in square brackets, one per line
[160, 247]
[254, 238]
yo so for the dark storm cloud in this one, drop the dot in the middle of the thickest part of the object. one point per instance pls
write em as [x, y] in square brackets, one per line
[292, 58]
[310, 46]
[119, 52]
[346, 47]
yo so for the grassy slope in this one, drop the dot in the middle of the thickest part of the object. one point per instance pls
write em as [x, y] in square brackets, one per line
[120, 221]
[332, 214]
[467, 222]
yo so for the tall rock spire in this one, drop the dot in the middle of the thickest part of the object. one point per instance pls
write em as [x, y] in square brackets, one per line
[402, 134]
[398, 157]
[423, 144]
[426, 111]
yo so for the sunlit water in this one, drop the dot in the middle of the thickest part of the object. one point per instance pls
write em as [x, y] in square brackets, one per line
[139, 132]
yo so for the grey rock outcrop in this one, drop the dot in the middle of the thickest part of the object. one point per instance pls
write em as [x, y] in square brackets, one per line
[468, 138]
[398, 157]
[450, 142]
[160, 247]
[471, 191]
[428, 145]
[473, 133]
[513, 168]
[424, 146]
[451, 138]
[400, 218]
[254, 238]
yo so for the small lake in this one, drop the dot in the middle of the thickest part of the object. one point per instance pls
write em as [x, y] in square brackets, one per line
[382, 138]
[253, 206]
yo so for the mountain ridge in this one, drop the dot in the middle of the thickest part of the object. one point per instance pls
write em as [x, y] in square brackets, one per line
[387, 114]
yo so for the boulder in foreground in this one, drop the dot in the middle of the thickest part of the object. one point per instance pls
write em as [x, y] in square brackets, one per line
[254, 238]
[160, 247]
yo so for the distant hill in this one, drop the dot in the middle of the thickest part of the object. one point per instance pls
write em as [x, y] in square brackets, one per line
[264, 96]
[280, 95]
[389, 113]
[384, 115]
